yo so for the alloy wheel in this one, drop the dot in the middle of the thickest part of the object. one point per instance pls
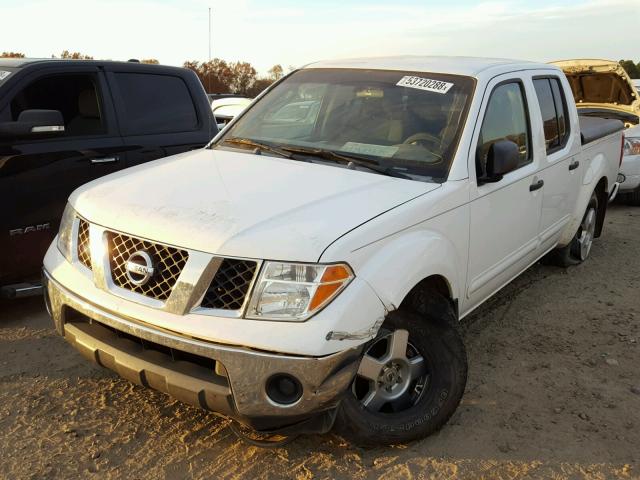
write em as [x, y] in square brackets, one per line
[392, 376]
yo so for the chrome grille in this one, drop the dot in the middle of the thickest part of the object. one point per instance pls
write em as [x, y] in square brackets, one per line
[84, 252]
[230, 284]
[168, 264]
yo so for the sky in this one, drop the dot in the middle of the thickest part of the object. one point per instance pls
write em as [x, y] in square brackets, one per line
[293, 33]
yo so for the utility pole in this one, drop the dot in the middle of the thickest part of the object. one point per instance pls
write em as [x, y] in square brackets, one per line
[209, 33]
[209, 75]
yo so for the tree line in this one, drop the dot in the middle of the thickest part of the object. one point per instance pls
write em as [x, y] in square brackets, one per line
[241, 78]
[217, 76]
[632, 69]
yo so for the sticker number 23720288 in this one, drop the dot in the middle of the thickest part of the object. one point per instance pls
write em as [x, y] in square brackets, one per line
[427, 84]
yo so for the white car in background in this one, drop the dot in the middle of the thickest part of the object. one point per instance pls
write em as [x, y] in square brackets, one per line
[602, 88]
[226, 108]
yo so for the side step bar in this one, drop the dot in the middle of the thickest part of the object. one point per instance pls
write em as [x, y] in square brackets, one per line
[20, 290]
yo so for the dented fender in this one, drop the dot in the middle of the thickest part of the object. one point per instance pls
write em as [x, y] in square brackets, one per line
[408, 259]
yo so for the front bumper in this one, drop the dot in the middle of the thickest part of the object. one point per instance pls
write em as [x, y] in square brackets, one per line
[224, 379]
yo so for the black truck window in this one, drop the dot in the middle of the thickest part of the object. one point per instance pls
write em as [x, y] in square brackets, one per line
[75, 96]
[155, 104]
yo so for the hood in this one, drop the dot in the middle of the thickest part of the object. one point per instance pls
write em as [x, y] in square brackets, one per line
[241, 204]
[601, 84]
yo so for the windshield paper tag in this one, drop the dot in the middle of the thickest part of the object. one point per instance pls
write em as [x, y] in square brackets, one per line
[427, 84]
[369, 149]
[4, 74]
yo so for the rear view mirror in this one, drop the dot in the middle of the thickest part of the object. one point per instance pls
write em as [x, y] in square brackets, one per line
[34, 123]
[503, 157]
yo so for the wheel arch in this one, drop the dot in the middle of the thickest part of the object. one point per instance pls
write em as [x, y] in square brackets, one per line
[433, 283]
[414, 262]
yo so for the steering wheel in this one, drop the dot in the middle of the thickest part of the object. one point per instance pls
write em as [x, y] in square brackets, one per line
[423, 139]
[429, 142]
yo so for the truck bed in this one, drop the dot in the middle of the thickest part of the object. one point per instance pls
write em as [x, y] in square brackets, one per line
[594, 128]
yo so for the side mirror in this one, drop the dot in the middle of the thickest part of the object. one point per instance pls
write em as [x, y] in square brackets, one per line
[34, 123]
[503, 157]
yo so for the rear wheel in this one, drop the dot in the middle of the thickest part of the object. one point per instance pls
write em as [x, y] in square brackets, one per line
[580, 247]
[583, 240]
[410, 381]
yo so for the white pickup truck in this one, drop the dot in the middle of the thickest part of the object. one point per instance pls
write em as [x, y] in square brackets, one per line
[312, 263]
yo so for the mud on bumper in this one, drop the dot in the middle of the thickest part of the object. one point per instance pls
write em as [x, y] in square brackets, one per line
[227, 380]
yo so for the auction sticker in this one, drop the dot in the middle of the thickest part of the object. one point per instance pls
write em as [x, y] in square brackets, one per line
[4, 74]
[370, 149]
[427, 84]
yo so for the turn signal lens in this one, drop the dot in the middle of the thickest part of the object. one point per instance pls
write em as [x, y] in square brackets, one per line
[295, 291]
[332, 280]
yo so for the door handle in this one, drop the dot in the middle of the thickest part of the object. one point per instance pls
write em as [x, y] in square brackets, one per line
[104, 160]
[574, 165]
[536, 186]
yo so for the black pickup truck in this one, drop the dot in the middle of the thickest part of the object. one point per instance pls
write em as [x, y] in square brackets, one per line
[66, 122]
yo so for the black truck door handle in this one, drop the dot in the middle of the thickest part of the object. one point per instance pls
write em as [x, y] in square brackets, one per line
[574, 165]
[104, 160]
[536, 186]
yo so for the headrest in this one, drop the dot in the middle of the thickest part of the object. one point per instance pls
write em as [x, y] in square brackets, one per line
[88, 104]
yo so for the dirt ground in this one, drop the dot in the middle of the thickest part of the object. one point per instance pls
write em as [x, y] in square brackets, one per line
[553, 392]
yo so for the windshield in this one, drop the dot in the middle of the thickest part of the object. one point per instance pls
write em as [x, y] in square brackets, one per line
[406, 121]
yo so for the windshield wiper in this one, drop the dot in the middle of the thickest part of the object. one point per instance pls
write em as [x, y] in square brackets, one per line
[258, 146]
[348, 159]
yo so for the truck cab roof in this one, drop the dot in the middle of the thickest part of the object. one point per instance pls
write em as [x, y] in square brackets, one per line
[19, 63]
[468, 66]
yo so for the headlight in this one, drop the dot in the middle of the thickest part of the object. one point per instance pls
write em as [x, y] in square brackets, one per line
[65, 234]
[295, 291]
[632, 146]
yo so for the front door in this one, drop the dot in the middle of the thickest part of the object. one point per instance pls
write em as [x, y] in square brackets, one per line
[505, 215]
[38, 174]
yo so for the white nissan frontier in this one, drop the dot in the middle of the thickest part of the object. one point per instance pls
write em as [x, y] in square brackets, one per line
[311, 264]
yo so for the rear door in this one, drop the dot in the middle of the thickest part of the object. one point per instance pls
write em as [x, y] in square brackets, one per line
[157, 112]
[560, 167]
[505, 215]
[38, 174]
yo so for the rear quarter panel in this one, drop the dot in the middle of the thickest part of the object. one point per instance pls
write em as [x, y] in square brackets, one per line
[601, 161]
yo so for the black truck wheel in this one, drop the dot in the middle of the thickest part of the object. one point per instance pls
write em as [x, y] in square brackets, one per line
[410, 381]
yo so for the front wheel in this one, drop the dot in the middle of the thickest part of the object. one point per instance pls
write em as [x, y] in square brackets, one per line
[410, 380]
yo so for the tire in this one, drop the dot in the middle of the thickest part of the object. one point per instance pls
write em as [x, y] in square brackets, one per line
[578, 250]
[432, 387]
[633, 198]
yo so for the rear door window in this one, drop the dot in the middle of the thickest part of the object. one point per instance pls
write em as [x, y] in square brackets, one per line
[561, 110]
[155, 104]
[553, 109]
